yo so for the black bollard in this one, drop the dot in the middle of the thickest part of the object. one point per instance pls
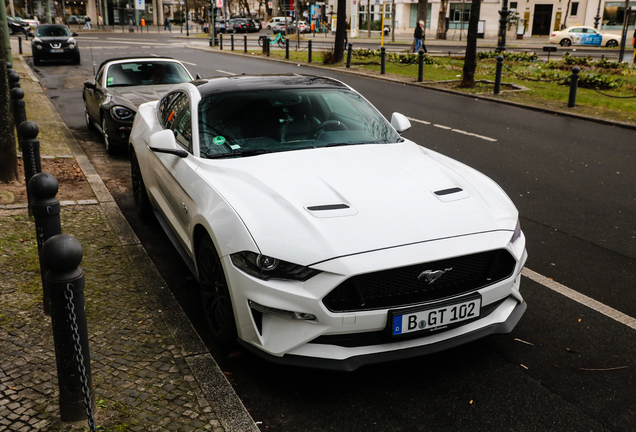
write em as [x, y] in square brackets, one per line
[420, 66]
[62, 254]
[498, 74]
[20, 44]
[14, 79]
[245, 43]
[30, 146]
[232, 42]
[382, 61]
[286, 48]
[268, 45]
[18, 106]
[221, 41]
[309, 51]
[46, 214]
[349, 47]
[574, 84]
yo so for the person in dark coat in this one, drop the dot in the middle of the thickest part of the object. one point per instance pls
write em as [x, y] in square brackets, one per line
[418, 37]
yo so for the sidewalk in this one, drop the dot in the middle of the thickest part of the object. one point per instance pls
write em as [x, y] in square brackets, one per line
[150, 370]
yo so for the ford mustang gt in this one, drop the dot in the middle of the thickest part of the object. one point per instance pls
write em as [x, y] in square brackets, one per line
[318, 234]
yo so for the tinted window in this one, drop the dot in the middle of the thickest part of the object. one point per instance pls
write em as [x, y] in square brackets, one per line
[146, 73]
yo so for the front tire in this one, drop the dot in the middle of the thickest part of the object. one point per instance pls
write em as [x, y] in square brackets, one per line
[565, 42]
[215, 295]
[107, 144]
[612, 44]
[140, 195]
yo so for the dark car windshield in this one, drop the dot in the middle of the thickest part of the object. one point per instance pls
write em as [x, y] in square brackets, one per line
[145, 73]
[46, 31]
[257, 122]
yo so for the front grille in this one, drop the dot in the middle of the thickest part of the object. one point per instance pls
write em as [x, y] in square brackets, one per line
[401, 286]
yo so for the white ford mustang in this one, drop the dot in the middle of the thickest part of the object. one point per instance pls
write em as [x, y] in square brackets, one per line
[319, 236]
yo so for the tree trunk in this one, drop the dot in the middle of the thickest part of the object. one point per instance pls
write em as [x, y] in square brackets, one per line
[8, 152]
[470, 61]
[422, 13]
[441, 20]
[341, 31]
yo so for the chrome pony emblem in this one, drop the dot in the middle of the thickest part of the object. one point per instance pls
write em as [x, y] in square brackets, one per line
[432, 275]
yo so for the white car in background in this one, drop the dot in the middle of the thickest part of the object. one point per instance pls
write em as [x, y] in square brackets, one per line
[319, 236]
[581, 35]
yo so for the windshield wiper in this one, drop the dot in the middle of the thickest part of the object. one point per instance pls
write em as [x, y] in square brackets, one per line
[238, 154]
[340, 144]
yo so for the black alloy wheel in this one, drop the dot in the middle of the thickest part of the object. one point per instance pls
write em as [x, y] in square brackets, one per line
[565, 42]
[140, 195]
[612, 43]
[215, 296]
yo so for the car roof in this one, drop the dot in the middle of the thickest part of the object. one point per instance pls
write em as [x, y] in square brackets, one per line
[244, 83]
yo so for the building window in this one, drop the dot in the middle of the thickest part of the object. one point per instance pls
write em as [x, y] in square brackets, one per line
[459, 16]
[513, 5]
[575, 9]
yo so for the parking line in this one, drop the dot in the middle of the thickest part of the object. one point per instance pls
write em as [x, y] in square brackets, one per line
[580, 298]
[485, 138]
[222, 71]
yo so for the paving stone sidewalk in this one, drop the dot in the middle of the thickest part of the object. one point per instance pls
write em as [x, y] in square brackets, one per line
[150, 372]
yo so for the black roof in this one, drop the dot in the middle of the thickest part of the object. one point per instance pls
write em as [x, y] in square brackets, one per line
[132, 58]
[241, 83]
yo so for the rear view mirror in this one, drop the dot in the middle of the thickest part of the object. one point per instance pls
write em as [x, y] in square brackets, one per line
[164, 142]
[400, 123]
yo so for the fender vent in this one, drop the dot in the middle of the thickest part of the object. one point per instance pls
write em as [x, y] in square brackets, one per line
[448, 191]
[328, 207]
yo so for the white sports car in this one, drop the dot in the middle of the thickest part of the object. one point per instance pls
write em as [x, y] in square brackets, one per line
[319, 236]
[581, 35]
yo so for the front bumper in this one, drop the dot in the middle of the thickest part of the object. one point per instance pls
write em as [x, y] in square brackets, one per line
[118, 131]
[318, 342]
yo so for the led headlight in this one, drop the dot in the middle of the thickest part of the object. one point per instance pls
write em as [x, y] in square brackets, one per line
[265, 267]
[517, 232]
[122, 113]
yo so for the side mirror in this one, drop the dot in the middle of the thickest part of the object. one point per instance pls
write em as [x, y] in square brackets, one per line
[90, 84]
[75, 34]
[164, 142]
[400, 123]
[198, 76]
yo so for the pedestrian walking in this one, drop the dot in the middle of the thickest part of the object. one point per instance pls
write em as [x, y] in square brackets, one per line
[100, 21]
[87, 23]
[166, 23]
[417, 37]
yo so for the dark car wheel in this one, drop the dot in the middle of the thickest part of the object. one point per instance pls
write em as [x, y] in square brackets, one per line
[215, 296]
[142, 202]
[107, 144]
[612, 43]
[565, 42]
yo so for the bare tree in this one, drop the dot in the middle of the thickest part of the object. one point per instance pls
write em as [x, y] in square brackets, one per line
[441, 20]
[470, 60]
[8, 153]
[341, 31]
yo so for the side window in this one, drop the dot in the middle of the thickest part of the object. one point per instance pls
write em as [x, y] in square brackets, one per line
[98, 78]
[165, 108]
[178, 119]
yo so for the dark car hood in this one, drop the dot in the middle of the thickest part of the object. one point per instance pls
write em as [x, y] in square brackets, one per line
[133, 96]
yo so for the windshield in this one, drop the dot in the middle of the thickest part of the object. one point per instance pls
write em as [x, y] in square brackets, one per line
[52, 31]
[145, 73]
[249, 123]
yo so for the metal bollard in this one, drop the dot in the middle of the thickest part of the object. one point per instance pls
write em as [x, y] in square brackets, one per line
[268, 45]
[245, 43]
[221, 41]
[14, 79]
[30, 146]
[62, 254]
[382, 61]
[349, 47]
[232, 42]
[309, 51]
[498, 74]
[574, 84]
[286, 48]
[20, 44]
[420, 66]
[18, 105]
[46, 214]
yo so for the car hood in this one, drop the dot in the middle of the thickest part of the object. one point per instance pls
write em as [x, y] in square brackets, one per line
[133, 96]
[308, 206]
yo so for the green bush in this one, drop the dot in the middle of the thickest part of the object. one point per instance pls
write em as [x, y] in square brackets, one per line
[520, 57]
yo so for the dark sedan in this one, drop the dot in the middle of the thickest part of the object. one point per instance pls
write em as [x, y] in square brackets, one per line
[243, 25]
[111, 98]
[53, 42]
[17, 25]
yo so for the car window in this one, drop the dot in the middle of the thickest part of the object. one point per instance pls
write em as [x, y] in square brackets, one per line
[165, 108]
[176, 116]
[289, 119]
[99, 76]
[52, 31]
[576, 30]
[146, 73]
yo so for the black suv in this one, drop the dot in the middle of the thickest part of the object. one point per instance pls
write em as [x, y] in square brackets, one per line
[243, 25]
[52, 42]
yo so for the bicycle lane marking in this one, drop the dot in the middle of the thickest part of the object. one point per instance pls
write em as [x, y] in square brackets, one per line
[482, 137]
[580, 298]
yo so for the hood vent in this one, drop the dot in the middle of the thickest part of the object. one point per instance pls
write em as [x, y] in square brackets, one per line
[331, 210]
[451, 194]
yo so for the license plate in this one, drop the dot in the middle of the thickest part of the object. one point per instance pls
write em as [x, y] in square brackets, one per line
[435, 318]
[57, 50]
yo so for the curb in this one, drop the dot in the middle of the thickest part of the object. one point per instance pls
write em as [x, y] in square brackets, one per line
[227, 406]
[428, 87]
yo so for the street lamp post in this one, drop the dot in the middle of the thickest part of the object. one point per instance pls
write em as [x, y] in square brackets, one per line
[503, 22]
[597, 18]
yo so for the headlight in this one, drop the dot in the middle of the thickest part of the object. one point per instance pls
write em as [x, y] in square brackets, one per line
[517, 232]
[71, 40]
[71, 46]
[122, 113]
[265, 267]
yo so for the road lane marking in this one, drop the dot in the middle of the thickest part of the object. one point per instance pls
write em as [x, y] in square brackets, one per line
[580, 298]
[485, 138]
[222, 71]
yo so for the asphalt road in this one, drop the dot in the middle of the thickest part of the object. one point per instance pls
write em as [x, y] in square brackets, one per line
[565, 367]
